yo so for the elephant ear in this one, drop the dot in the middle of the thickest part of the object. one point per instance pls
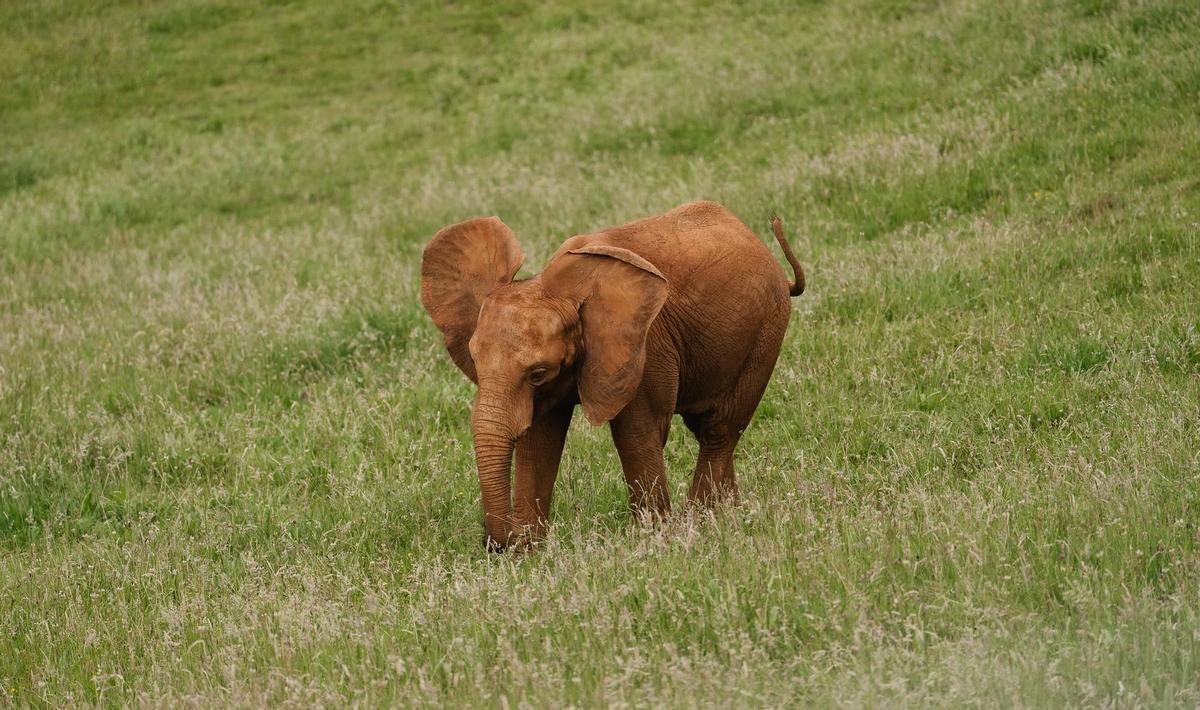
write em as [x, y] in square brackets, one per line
[619, 294]
[462, 264]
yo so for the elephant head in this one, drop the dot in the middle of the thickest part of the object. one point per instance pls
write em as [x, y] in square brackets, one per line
[578, 329]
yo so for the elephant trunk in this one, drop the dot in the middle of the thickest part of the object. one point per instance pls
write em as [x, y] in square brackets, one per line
[494, 443]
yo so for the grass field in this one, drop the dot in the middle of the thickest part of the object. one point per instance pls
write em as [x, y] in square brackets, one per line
[235, 461]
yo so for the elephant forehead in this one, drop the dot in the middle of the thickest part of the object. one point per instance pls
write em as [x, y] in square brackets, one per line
[519, 324]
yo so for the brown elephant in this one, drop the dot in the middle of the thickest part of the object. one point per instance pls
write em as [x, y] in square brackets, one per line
[681, 313]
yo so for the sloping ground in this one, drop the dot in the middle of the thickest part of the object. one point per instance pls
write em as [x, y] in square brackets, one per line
[235, 463]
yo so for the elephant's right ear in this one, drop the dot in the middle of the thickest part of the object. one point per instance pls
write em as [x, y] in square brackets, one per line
[462, 264]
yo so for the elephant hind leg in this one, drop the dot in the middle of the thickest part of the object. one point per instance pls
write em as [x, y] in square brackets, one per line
[719, 428]
[714, 477]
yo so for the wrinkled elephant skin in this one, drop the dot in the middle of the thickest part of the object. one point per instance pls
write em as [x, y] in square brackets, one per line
[683, 313]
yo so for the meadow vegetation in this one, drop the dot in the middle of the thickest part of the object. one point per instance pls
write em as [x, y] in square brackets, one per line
[235, 461]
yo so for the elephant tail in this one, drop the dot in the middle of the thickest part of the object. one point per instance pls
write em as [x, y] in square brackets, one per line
[797, 269]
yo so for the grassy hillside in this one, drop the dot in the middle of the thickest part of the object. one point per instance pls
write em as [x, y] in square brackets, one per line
[235, 462]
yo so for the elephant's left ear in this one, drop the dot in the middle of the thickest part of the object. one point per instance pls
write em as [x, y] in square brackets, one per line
[619, 294]
[462, 264]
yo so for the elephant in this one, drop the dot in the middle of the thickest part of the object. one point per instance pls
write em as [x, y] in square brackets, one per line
[682, 313]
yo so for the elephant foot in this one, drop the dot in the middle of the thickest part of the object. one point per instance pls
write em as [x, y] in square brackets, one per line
[523, 539]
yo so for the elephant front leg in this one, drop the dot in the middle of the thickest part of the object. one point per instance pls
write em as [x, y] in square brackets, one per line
[640, 436]
[538, 453]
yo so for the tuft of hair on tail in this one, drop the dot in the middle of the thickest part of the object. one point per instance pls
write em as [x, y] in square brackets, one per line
[797, 269]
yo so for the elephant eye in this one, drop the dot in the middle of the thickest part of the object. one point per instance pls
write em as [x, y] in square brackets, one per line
[538, 375]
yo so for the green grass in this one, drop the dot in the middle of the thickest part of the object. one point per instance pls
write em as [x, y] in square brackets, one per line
[235, 462]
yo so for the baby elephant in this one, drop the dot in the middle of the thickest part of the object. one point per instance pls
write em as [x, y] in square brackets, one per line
[682, 313]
